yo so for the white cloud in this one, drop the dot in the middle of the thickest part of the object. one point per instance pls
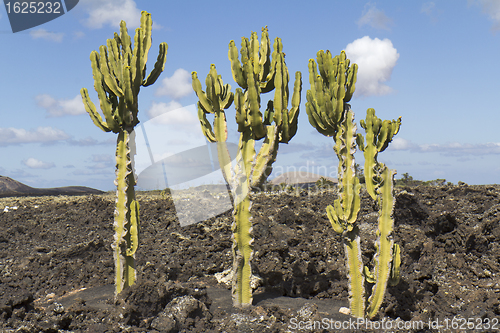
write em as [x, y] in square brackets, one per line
[44, 34]
[172, 113]
[9, 136]
[176, 86]
[376, 59]
[401, 144]
[102, 158]
[111, 12]
[490, 8]
[33, 163]
[58, 108]
[447, 149]
[78, 34]
[430, 9]
[374, 18]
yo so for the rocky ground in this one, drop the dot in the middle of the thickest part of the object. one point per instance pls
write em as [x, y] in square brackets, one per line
[57, 270]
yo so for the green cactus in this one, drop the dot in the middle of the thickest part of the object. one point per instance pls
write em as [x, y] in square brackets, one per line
[258, 72]
[380, 185]
[329, 112]
[378, 136]
[119, 71]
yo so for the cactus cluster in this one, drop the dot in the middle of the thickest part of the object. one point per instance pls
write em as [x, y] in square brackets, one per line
[119, 72]
[257, 71]
[329, 112]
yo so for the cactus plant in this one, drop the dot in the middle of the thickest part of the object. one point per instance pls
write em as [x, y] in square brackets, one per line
[258, 72]
[329, 112]
[119, 71]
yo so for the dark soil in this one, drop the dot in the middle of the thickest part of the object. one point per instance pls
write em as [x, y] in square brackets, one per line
[57, 270]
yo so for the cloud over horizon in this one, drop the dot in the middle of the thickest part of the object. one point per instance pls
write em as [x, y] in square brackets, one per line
[47, 35]
[447, 149]
[490, 8]
[61, 107]
[34, 163]
[12, 136]
[176, 86]
[111, 13]
[376, 59]
[172, 113]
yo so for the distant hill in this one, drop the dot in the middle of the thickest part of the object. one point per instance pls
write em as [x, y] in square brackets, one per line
[12, 188]
[299, 177]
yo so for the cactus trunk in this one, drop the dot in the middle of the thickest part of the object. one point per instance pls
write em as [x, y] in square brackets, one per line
[242, 253]
[352, 249]
[126, 216]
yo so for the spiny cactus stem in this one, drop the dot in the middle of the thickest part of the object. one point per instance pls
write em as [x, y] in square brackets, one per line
[125, 182]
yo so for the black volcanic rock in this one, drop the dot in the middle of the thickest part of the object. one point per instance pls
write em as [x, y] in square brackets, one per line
[12, 188]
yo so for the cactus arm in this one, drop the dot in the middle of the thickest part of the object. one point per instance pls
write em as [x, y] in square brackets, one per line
[395, 266]
[269, 113]
[106, 105]
[384, 256]
[134, 228]
[369, 276]
[334, 219]
[125, 39]
[247, 149]
[129, 96]
[254, 53]
[351, 82]
[220, 128]
[254, 115]
[370, 153]
[280, 91]
[290, 125]
[266, 157]
[137, 62]
[239, 105]
[236, 68]
[315, 120]
[91, 110]
[345, 148]
[114, 59]
[159, 66]
[147, 28]
[202, 97]
[378, 136]
[205, 125]
[109, 79]
[264, 61]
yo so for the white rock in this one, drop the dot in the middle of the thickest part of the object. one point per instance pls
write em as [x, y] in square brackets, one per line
[345, 310]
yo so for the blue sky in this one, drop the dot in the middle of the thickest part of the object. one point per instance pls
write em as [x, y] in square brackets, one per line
[433, 63]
